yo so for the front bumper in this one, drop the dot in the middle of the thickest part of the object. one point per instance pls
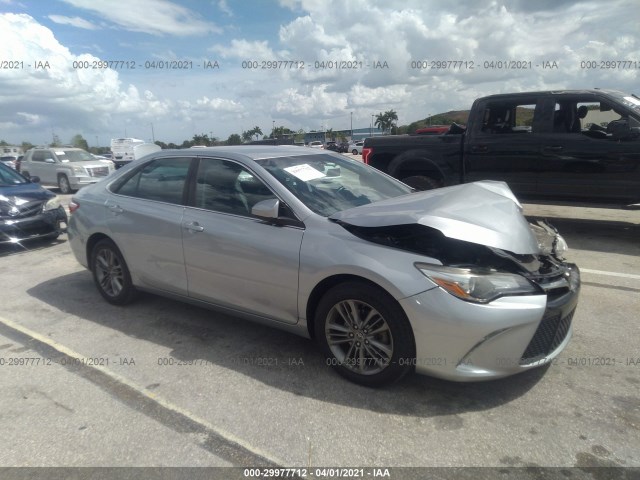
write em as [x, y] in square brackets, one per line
[464, 341]
[44, 225]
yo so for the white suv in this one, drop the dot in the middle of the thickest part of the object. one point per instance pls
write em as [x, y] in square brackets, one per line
[67, 168]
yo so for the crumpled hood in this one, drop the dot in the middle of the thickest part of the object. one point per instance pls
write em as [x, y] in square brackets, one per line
[486, 213]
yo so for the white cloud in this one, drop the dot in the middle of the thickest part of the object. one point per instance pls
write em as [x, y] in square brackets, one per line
[244, 49]
[62, 97]
[156, 17]
[224, 8]
[73, 21]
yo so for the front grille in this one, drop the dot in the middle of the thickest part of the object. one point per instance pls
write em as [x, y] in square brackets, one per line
[98, 171]
[550, 334]
[25, 210]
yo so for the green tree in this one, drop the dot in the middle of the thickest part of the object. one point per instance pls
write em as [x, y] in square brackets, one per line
[234, 139]
[246, 135]
[330, 135]
[27, 146]
[161, 144]
[257, 131]
[3, 143]
[79, 142]
[384, 121]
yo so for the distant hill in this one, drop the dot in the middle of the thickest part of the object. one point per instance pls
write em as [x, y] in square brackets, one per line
[524, 116]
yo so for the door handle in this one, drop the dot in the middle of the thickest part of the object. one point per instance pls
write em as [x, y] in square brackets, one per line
[194, 227]
[553, 148]
[115, 209]
[479, 149]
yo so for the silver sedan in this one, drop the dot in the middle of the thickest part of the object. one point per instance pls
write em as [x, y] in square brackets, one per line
[452, 282]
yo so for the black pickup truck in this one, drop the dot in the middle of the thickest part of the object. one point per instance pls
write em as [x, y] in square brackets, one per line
[567, 146]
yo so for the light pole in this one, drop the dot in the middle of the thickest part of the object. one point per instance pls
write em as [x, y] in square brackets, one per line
[273, 129]
[371, 127]
[351, 125]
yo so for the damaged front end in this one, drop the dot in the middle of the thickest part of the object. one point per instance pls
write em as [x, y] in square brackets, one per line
[480, 249]
[485, 246]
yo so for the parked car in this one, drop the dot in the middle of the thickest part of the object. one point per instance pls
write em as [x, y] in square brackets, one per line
[453, 282]
[342, 147]
[356, 148]
[568, 146]
[9, 160]
[433, 130]
[27, 211]
[333, 146]
[67, 168]
[315, 144]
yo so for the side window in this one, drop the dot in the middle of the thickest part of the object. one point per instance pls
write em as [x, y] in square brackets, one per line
[162, 180]
[227, 187]
[591, 118]
[508, 117]
[38, 156]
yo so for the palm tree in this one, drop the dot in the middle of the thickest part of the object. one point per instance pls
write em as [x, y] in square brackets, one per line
[381, 122]
[391, 117]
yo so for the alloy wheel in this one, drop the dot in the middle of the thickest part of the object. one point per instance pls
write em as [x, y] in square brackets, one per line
[359, 337]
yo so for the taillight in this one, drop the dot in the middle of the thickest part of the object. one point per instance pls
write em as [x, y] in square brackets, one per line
[73, 206]
[366, 153]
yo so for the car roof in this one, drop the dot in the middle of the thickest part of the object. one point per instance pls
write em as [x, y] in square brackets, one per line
[253, 152]
[594, 91]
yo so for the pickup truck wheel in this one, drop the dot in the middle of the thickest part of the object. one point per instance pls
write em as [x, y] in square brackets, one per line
[420, 182]
[354, 151]
[64, 185]
[26, 174]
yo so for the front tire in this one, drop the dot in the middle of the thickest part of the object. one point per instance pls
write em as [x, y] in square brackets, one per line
[111, 274]
[354, 151]
[364, 334]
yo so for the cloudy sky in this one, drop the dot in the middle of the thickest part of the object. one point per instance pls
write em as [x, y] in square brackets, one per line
[331, 49]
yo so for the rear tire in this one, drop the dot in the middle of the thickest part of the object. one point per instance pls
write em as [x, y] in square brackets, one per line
[26, 174]
[111, 274]
[364, 334]
[354, 151]
[421, 182]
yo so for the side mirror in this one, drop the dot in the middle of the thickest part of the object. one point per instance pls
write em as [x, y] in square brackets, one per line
[267, 209]
[49, 160]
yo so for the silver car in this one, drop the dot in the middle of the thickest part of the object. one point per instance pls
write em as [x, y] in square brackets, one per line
[452, 282]
[65, 167]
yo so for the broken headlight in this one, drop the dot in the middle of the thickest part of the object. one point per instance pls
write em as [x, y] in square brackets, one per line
[480, 286]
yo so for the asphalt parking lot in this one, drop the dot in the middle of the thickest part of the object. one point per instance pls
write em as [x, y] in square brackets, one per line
[161, 383]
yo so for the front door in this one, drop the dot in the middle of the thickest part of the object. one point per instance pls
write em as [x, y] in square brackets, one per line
[232, 258]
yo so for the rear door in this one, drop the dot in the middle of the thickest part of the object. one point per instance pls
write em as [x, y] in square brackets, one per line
[145, 215]
[503, 143]
[232, 258]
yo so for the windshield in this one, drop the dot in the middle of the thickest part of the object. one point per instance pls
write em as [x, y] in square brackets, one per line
[631, 101]
[328, 184]
[9, 177]
[74, 156]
